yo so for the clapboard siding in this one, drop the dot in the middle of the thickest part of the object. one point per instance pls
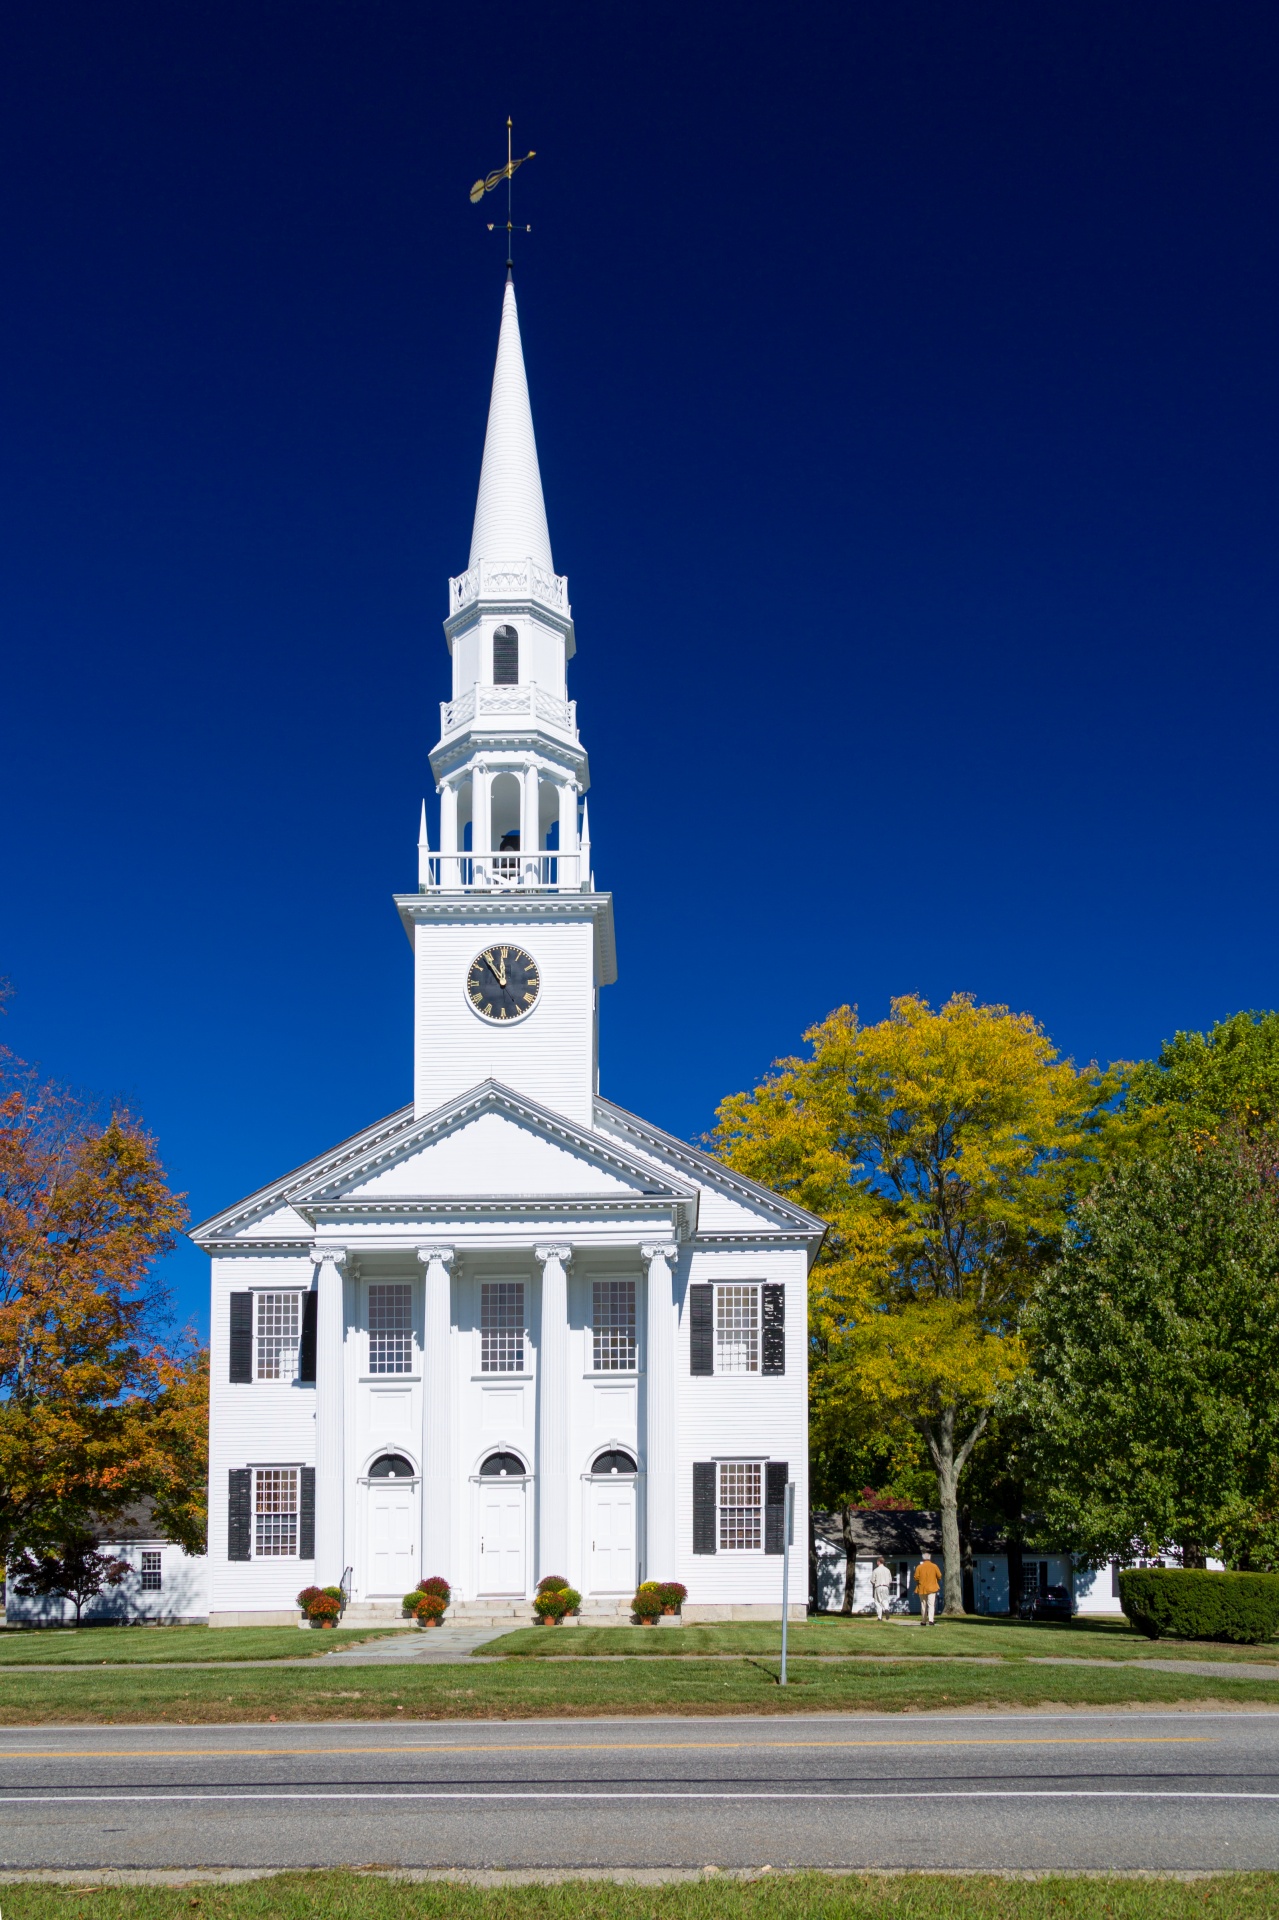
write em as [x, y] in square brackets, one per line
[548, 1056]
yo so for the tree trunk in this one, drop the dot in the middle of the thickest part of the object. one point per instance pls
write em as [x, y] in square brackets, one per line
[1193, 1557]
[850, 1559]
[950, 1462]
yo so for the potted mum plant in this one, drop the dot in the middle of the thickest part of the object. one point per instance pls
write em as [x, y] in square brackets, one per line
[674, 1594]
[555, 1600]
[647, 1605]
[428, 1600]
[321, 1605]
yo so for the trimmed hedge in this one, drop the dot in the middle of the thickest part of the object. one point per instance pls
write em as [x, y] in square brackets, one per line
[1188, 1604]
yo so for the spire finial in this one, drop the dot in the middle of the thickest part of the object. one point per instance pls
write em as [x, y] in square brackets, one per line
[487, 184]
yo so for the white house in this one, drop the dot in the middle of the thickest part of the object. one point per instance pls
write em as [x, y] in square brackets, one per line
[510, 1330]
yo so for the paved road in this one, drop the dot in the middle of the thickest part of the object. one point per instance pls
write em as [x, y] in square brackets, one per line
[1136, 1791]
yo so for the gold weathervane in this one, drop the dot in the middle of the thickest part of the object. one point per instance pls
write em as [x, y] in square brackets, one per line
[491, 180]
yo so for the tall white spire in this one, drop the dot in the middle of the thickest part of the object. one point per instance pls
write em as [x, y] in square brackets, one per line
[510, 513]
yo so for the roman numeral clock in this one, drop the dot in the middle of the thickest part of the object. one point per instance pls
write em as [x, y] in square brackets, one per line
[503, 983]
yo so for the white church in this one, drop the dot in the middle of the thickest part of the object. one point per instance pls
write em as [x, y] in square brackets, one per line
[511, 1330]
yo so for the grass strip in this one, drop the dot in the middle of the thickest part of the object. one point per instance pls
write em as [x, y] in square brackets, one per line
[155, 1646]
[528, 1689]
[1004, 1640]
[799, 1896]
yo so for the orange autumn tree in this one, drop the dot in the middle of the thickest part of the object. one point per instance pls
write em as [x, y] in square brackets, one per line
[95, 1411]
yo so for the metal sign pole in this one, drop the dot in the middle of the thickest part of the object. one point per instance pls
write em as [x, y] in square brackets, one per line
[788, 1528]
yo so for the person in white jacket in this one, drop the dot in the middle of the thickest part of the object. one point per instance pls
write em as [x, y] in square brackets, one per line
[881, 1586]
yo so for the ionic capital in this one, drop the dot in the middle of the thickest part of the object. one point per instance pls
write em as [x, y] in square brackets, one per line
[330, 1257]
[662, 1250]
[437, 1256]
[562, 1254]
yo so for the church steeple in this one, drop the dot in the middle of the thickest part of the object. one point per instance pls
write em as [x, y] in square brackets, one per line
[511, 880]
[510, 513]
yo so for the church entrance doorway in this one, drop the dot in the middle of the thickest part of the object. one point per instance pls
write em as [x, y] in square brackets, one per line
[611, 1518]
[503, 1525]
[392, 1511]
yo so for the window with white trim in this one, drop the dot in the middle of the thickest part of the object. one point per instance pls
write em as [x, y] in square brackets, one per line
[502, 1326]
[390, 1327]
[151, 1579]
[279, 1334]
[737, 1329]
[275, 1513]
[741, 1506]
[614, 1347]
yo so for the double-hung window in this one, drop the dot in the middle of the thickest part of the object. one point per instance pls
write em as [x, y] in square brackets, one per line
[741, 1504]
[737, 1329]
[614, 1348]
[275, 1513]
[502, 1326]
[390, 1327]
[279, 1335]
[151, 1578]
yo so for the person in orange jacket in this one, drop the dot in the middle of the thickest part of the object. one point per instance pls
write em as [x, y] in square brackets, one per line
[927, 1578]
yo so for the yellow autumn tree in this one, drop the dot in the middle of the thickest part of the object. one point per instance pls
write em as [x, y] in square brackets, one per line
[943, 1149]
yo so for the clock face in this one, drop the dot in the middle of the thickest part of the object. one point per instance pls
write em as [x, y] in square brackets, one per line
[503, 983]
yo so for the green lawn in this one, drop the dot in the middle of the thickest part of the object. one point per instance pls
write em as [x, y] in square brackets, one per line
[156, 1646]
[987, 1638]
[801, 1896]
[519, 1689]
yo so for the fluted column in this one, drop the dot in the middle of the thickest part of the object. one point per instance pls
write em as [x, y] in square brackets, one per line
[530, 824]
[552, 1413]
[437, 1411]
[482, 817]
[660, 1453]
[330, 1416]
[448, 833]
[568, 875]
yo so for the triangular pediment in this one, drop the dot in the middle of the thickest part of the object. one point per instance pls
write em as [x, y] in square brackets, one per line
[490, 1144]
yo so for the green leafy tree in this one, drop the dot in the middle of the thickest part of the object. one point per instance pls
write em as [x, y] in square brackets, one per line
[1201, 1082]
[943, 1149]
[1155, 1391]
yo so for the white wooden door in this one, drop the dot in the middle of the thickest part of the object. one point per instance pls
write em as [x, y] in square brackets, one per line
[501, 1537]
[612, 1518]
[392, 1540]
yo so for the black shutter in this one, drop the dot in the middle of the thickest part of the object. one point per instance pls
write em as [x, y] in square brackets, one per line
[774, 1329]
[306, 1514]
[701, 1326]
[306, 1358]
[776, 1474]
[704, 1504]
[239, 1525]
[241, 1339]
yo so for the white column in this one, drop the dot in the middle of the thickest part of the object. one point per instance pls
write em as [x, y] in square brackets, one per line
[552, 1413]
[660, 1456]
[437, 1411]
[330, 1367]
[568, 833]
[529, 826]
[448, 833]
[481, 818]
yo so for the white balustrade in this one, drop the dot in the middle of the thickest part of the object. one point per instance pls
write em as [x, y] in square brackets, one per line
[511, 579]
[508, 706]
[489, 872]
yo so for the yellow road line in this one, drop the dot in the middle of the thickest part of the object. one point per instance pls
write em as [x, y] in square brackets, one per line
[596, 1746]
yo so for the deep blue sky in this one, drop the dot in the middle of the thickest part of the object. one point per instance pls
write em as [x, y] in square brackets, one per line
[907, 387]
